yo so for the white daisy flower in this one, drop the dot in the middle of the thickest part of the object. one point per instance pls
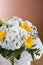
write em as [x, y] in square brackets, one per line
[17, 44]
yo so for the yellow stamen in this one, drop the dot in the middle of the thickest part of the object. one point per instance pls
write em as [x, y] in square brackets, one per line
[29, 42]
[25, 26]
[2, 35]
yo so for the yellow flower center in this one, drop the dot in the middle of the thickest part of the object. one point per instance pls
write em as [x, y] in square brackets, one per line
[2, 35]
[25, 26]
[29, 42]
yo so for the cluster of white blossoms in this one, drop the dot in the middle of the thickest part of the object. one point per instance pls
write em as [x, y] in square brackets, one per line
[14, 31]
[19, 42]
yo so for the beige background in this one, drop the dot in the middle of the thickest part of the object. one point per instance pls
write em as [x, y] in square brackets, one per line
[26, 9]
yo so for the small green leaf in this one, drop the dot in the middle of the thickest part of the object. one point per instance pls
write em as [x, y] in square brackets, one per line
[34, 45]
[0, 23]
[33, 51]
[32, 54]
[40, 34]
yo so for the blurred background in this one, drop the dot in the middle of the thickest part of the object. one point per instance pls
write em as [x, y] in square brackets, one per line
[31, 10]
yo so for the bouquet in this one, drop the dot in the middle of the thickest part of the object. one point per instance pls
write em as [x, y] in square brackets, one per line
[19, 41]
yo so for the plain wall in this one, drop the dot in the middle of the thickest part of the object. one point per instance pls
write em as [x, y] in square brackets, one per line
[31, 10]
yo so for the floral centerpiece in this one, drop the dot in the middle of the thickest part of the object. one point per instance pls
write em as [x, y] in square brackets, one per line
[18, 40]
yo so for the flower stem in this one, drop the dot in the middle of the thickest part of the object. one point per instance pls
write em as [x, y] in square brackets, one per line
[12, 60]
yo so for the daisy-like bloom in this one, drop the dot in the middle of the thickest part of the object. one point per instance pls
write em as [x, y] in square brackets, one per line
[2, 35]
[25, 26]
[15, 31]
[17, 44]
[29, 42]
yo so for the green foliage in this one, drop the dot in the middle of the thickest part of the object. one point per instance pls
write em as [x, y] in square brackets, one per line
[40, 34]
[33, 51]
[9, 54]
[12, 60]
[0, 23]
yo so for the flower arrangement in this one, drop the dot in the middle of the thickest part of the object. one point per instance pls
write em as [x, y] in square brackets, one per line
[17, 35]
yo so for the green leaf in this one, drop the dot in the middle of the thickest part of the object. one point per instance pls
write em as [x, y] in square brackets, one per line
[11, 53]
[17, 53]
[0, 23]
[37, 53]
[33, 51]
[40, 34]
[33, 45]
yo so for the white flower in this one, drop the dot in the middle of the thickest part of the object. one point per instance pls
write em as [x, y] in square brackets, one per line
[29, 23]
[17, 44]
[14, 29]
[24, 33]
[16, 23]
[15, 35]
[10, 22]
